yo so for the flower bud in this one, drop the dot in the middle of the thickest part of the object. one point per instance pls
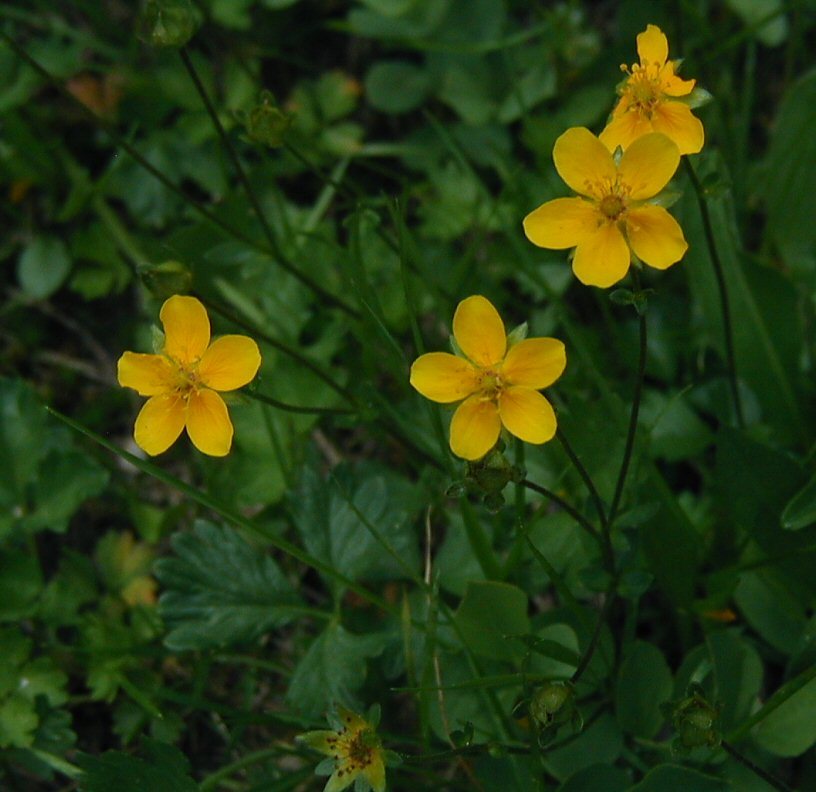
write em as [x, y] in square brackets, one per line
[168, 23]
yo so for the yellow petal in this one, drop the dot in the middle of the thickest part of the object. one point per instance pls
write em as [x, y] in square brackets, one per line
[655, 236]
[652, 46]
[159, 423]
[323, 741]
[603, 259]
[672, 85]
[374, 773]
[479, 330]
[147, 374]
[474, 428]
[338, 782]
[648, 164]
[208, 423]
[442, 377]
[561, 223]
[535, 362]
[625, 128]
[186, 328]
[527, 415]
[583, 162]
[675, 120]
[230, 362]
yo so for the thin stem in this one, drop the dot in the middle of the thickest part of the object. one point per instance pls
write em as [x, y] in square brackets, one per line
[296, 408]
[214, 779]
[250, 192]
[721, 287]
[589, 652]
[574, 513]
[587, 479]
[763, 774]
[633, 420]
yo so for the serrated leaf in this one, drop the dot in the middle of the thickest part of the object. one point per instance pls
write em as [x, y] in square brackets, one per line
[220, 590]
[332, 670]
[164, 769]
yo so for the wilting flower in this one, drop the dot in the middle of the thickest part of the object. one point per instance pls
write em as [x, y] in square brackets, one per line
[354, 750]
[613, 215]
[499, 385]
[652, 99]
[182, 381]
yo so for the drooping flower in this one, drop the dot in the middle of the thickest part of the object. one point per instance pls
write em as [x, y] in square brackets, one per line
[354, 750]
[613, 214]
[500, 386]
[183, 379]
[651, 99]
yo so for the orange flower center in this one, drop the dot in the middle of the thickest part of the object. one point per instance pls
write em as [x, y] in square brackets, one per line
[187, 378]
[612, 206]
[643, 88]
[490, 383]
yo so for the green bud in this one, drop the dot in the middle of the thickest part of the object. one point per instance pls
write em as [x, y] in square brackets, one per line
[166, 279]
[266, 123]
[551, 700]
[490, 475]
[168, 23]
[694, 720]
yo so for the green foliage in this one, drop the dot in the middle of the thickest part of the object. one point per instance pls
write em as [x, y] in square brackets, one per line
[627, 607]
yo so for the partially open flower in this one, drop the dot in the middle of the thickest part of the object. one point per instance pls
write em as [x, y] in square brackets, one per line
[500, 386]
[652, 99]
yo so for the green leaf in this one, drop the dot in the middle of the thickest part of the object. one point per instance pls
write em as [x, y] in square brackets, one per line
[601, 742]
[787, 178]
[791, 728]
[597, 778]
[332, 670]
[338, 520]
[644, 682]
[771, 610]
[396, 86]
[164, 769]
[18, 720]
[801, 509]
[673, 778]
[220, 590]
[43, 266]
[21, 581]
[737, 672]
[489, 613]
[22, 439]
[765, 18]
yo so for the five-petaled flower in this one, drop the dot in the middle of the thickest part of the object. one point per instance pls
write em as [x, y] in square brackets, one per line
[182, 381]
[354, 750]
[613, 215]
[500, 386]
[651, 99]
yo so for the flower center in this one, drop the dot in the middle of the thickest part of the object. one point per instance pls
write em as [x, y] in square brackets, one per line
[612, 206]
[490, 383]
[358, 750]
[187, 379]
[643, 88]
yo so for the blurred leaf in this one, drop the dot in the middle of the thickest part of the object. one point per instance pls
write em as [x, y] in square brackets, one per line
[801, 509]
[220, 590]
[786, 177]
[766, 18]
[164, 769]
[489, 613]
[396, 86]
[43, 266]
[771, 610]
[677, 432]
[673, 778]
[332, 670]
[644, 682]
[18, 720]
[21, 581]
[738, 675]
[597, 778]
[791, 728]
[599, 743]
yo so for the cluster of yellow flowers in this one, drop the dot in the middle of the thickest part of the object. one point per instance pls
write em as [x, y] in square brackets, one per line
[614, 217]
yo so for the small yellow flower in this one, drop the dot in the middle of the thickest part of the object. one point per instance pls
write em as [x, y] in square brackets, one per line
[651, 100]
[182, 381]
[354, 749]
[499, 385]
[613, 215]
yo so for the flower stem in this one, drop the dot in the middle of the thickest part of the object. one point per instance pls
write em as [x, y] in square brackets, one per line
[295, 408]
[250, 192]
[721, 288]
[587, 479]
[763, 774]
[633, 419]
[589, 652]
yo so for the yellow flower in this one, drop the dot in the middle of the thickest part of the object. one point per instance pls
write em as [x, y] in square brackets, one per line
[614, 215]
[499, 385]
[354, 749]
[650, 100]
[182, 381]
